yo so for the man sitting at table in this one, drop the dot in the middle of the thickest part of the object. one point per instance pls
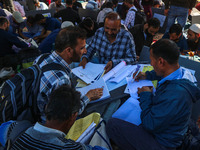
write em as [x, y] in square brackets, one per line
[194, 38]
[70, 45]
[111, 43]
[166, 113]
[175, 34]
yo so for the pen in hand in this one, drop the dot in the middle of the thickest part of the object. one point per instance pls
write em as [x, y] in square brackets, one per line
[138, 71]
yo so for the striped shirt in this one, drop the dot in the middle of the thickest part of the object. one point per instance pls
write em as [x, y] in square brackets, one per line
[40, 137]
[52, 79]
[123, 48]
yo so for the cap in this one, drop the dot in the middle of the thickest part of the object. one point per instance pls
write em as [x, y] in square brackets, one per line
[18, 17]
[66, 24]
[195, 28]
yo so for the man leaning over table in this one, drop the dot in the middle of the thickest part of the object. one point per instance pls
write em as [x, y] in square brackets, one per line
[111, 43]
[166, 113]
[70, 45]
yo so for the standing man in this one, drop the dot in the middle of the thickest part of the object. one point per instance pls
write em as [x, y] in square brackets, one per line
[130, 16]
[178, 9]
[143, 34]
[166, 113]
[69, 45]
[111, 43]
[194, 38]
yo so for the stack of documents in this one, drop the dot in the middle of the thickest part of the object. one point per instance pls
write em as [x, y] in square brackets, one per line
[83, 129]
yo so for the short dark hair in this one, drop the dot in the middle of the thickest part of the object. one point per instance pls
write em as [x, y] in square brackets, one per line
[38, 17]
[64, 101]
[129, 1]
[175, 28]
[112, 16]
[153, 22]
[69, 2]
[67, 37]
[3, 20]
[167, 49]
[108, 5]
[115, 2]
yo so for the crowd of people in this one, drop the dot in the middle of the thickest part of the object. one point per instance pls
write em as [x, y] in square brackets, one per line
[114, 36]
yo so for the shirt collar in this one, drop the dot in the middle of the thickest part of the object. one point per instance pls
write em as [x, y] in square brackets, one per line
[61, 60]
[44, 129]
[174, 75]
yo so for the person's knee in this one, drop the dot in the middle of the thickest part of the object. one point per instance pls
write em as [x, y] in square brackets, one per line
[111, 127]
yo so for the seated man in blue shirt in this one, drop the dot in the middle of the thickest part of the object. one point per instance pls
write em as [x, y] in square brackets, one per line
[175, 34]
[49, 25]
[166, 113]
[61, 113]
[33, 28]
[111, 43]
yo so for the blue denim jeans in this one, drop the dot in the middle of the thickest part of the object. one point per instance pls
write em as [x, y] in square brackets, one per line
[179, 13]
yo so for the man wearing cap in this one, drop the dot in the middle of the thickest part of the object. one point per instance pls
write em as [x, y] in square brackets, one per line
[15, 21]
[194, 38]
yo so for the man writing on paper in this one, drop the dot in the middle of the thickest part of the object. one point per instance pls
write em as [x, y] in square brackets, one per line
[69, 45]
[166, 113]
[111, 43]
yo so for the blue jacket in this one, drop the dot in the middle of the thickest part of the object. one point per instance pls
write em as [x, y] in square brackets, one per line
[166, 113]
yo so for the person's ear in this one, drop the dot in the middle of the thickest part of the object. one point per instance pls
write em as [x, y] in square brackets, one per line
[146, 26]
[68, 51]
[161, 62]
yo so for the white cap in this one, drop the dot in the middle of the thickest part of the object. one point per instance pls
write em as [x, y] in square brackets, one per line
[195, 28]
[66, 24]
[18, 17]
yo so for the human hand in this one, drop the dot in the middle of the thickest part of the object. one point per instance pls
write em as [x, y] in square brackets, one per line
[145, 89]
[166, 12]
[108, 66]
[83, 62]
[140, 76]
[95, 94]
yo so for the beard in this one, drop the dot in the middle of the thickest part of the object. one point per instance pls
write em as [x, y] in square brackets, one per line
[111, 35]
[75, 57]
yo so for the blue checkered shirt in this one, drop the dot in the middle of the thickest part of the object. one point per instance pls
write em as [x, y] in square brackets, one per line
[123, 48]
[52, 79]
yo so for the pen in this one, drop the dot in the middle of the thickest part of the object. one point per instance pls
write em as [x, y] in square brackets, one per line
[138, 71]
[103, 73]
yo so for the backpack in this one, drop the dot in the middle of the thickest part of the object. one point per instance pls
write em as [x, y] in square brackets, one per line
[140, 17]
[11, 131]
[18, 95]
[191, 140]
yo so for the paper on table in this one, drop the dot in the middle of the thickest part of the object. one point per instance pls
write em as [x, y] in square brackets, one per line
[132, 86]
[98, 84]
[127, 70]
[90, 72]
[130, 111]
[113, 71]
[86, 135]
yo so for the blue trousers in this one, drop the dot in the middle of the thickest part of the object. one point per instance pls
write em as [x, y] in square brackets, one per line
[179, 13]
[128, 136]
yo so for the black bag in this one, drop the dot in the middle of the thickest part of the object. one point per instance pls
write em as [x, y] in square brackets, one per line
[192, 138]
[18, 96]
[140, 17]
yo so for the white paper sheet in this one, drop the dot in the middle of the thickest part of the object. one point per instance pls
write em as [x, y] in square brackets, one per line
[133, 86]
[114, 71]
[98, 84]
[124, 72]
[130, 111]
[90, 72]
